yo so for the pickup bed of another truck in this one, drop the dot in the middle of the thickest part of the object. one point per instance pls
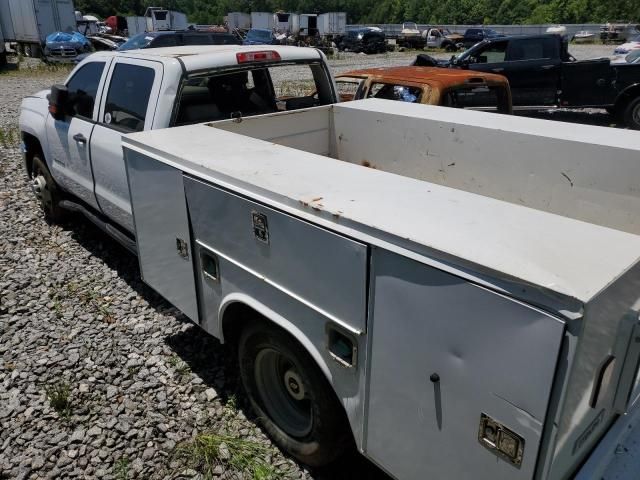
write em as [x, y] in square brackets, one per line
[541, 72]
[111, 94]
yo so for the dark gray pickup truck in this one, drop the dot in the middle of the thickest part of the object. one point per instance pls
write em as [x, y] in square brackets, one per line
[541, 72]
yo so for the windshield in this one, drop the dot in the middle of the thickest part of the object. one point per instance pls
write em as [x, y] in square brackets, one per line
[633, 57]
[138, 41]
[259, 35]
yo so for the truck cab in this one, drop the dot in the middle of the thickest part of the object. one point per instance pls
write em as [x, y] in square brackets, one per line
[75, 129]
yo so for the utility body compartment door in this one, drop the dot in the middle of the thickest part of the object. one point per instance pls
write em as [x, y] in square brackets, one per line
[587, 83]
[445, 352]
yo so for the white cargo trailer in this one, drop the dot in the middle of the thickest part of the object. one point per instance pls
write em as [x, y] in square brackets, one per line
[178, 20]
[308, 24]
[286, 22]
[136, 25]
[463, 288]
[238, 20]
[28, 22]
[332, 23]
[3, 49]
[262, 20]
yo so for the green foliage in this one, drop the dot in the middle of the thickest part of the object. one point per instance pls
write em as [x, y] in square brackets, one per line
[391, 11]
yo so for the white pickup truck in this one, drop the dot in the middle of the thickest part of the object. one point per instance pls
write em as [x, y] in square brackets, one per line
[71, 133]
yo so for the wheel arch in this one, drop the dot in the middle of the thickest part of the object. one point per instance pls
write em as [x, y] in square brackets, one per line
[236, 310]
[627, 95]
[32, 146]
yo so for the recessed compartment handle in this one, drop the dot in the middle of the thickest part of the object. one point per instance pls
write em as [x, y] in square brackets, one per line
[210, 266]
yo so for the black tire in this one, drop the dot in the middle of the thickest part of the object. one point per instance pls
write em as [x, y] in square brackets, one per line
[450, 47]
[314, 428]
[632, 114]
[46, 190]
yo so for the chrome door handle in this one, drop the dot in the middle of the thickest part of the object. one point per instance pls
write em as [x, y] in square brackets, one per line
[80, 138]
[497, 70]
[547, 67]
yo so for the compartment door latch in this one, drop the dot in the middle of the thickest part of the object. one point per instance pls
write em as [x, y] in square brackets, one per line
[183, 248]
[500, 440]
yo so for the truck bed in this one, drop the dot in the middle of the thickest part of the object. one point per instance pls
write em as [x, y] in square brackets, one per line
[458, 193]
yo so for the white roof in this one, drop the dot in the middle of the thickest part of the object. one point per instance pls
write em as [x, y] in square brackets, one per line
[200, 57]
[563, 257]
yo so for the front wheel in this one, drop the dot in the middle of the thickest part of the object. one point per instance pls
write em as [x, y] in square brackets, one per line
[46, 191]
[291, 397]
[632, 114]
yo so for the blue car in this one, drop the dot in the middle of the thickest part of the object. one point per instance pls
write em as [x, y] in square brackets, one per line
[260, 36]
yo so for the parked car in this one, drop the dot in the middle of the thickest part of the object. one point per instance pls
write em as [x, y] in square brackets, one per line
[437, 38]
[260, 36]
[173, 39]
[367, 40]
[428, 86]
[632, 44]
[410, 36]
[475, 35]
[61, 47]
[542, 72]
[632, 57]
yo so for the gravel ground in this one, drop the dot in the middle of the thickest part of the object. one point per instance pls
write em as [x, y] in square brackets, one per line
[134, 380]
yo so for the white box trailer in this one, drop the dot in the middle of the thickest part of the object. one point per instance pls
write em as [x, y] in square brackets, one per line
[308, 24]
[29, 22]
[467, 283]
[136, 25]
[178, 20]
[332, 23]
[286, 22]
[238, 20]
[262, 20]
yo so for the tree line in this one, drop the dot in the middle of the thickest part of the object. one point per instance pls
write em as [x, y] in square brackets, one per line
[392, 11]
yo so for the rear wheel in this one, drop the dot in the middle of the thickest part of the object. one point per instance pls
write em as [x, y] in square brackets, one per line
[46, 191]
[632, 114]
[291, 397]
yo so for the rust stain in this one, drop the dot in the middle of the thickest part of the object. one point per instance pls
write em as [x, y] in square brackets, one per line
[367, 163]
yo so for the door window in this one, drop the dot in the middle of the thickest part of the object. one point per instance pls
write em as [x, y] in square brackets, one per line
[128, 97]
[532, 49]
[164, 41]
[494, 53]
[83, 88]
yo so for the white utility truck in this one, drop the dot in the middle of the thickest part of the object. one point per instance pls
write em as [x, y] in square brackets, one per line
[457, 292]
[73, 151]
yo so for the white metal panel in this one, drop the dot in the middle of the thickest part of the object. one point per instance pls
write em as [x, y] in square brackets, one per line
[161, 221]
[262, 20]
[25, 24]
[492, 355]
[6, 22]
[325, 271]
[65, 16]
[579, 171]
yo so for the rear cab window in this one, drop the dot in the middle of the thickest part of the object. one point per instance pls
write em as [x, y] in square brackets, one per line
[255, 89]
[398, 92]
[128, 97]
[83, 89]
[348, 88]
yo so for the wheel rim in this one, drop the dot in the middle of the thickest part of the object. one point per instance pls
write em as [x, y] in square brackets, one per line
[41, 189]
[283, 393]
[635, 115]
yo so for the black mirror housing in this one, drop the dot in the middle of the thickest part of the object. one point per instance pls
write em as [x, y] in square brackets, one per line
[58, 101]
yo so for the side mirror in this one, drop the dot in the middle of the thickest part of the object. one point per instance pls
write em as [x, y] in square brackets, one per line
[58, 101]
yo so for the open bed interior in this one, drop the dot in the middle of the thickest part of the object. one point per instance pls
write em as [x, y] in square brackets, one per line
[570, 170]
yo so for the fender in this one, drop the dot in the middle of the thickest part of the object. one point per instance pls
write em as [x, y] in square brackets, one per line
[277, 319]
[628, 93]
[33, 117]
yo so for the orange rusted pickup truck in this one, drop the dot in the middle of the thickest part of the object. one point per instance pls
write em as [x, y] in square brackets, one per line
[428, 85]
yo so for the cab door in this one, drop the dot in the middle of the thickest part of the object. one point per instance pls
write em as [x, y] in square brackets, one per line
[128, 105]
[68, 140]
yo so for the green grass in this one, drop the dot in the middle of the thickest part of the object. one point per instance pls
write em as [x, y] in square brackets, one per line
[180, 367]
[58, 395]
[207, 451]
[121, 468]
[39, 70]
[9, 136]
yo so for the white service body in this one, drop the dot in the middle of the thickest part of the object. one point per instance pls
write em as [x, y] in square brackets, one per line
[136, 25]
[499, 255]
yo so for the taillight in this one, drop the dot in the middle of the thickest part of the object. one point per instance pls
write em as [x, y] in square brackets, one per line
[265, 56]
